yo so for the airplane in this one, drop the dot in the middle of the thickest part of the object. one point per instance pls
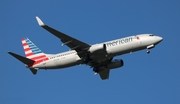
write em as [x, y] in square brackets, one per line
[99, 56]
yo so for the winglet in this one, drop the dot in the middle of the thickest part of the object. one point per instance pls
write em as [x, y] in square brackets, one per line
[39, 21]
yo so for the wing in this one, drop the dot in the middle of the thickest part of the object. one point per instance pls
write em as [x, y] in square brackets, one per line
[71, 42]
[74, 44]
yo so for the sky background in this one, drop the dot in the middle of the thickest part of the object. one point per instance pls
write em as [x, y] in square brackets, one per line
[145, 78]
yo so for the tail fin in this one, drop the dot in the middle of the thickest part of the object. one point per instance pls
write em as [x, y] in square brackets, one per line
[33, 55]
[32, 51]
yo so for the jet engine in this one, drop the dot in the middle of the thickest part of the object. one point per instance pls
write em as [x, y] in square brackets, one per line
[115, 64]
[97, 48]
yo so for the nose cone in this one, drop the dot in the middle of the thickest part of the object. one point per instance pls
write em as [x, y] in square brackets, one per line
[159, 39]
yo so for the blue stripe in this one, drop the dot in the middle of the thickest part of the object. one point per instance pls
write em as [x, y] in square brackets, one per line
[36, 51]
[33, 47]
[27, 40]
[30, 43]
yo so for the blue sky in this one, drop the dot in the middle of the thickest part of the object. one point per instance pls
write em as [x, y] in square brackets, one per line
[145, 78]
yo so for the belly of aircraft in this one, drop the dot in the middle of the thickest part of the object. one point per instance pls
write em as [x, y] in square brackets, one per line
[67, 62]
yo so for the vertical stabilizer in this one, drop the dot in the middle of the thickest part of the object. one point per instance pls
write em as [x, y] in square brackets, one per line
[32, 51]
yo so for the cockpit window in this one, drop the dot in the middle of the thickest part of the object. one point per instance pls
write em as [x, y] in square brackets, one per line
[151, 35]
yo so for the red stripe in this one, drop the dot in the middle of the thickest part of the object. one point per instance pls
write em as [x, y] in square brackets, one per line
[37, 62]
[22, 39]
[46, 59]
[25, 44]
[27, 49]
[38, 57]
[29, 54]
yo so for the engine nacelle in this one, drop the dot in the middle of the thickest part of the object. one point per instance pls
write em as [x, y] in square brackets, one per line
[97, 48]
[115, 64]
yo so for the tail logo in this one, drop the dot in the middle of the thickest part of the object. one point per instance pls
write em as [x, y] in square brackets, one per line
[32, 51]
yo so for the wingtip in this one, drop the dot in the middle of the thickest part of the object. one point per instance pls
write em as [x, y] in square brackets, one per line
[39, 21]
[11, 53]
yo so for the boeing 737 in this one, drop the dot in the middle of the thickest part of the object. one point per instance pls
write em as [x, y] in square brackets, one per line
[100, 56]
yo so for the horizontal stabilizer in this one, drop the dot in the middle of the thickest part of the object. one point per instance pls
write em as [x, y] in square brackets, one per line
[25, 61]
[22, 59]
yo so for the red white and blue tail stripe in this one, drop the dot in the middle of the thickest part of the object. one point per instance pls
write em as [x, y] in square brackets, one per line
[32, 51]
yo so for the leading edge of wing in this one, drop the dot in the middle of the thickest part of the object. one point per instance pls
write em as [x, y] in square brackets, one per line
[67, 40]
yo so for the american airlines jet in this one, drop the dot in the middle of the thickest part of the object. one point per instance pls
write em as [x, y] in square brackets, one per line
[98, 56]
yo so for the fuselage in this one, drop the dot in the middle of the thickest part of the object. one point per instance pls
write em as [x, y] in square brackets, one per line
[113, 48]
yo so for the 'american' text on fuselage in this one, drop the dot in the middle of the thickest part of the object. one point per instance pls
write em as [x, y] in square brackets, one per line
[119, 41]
